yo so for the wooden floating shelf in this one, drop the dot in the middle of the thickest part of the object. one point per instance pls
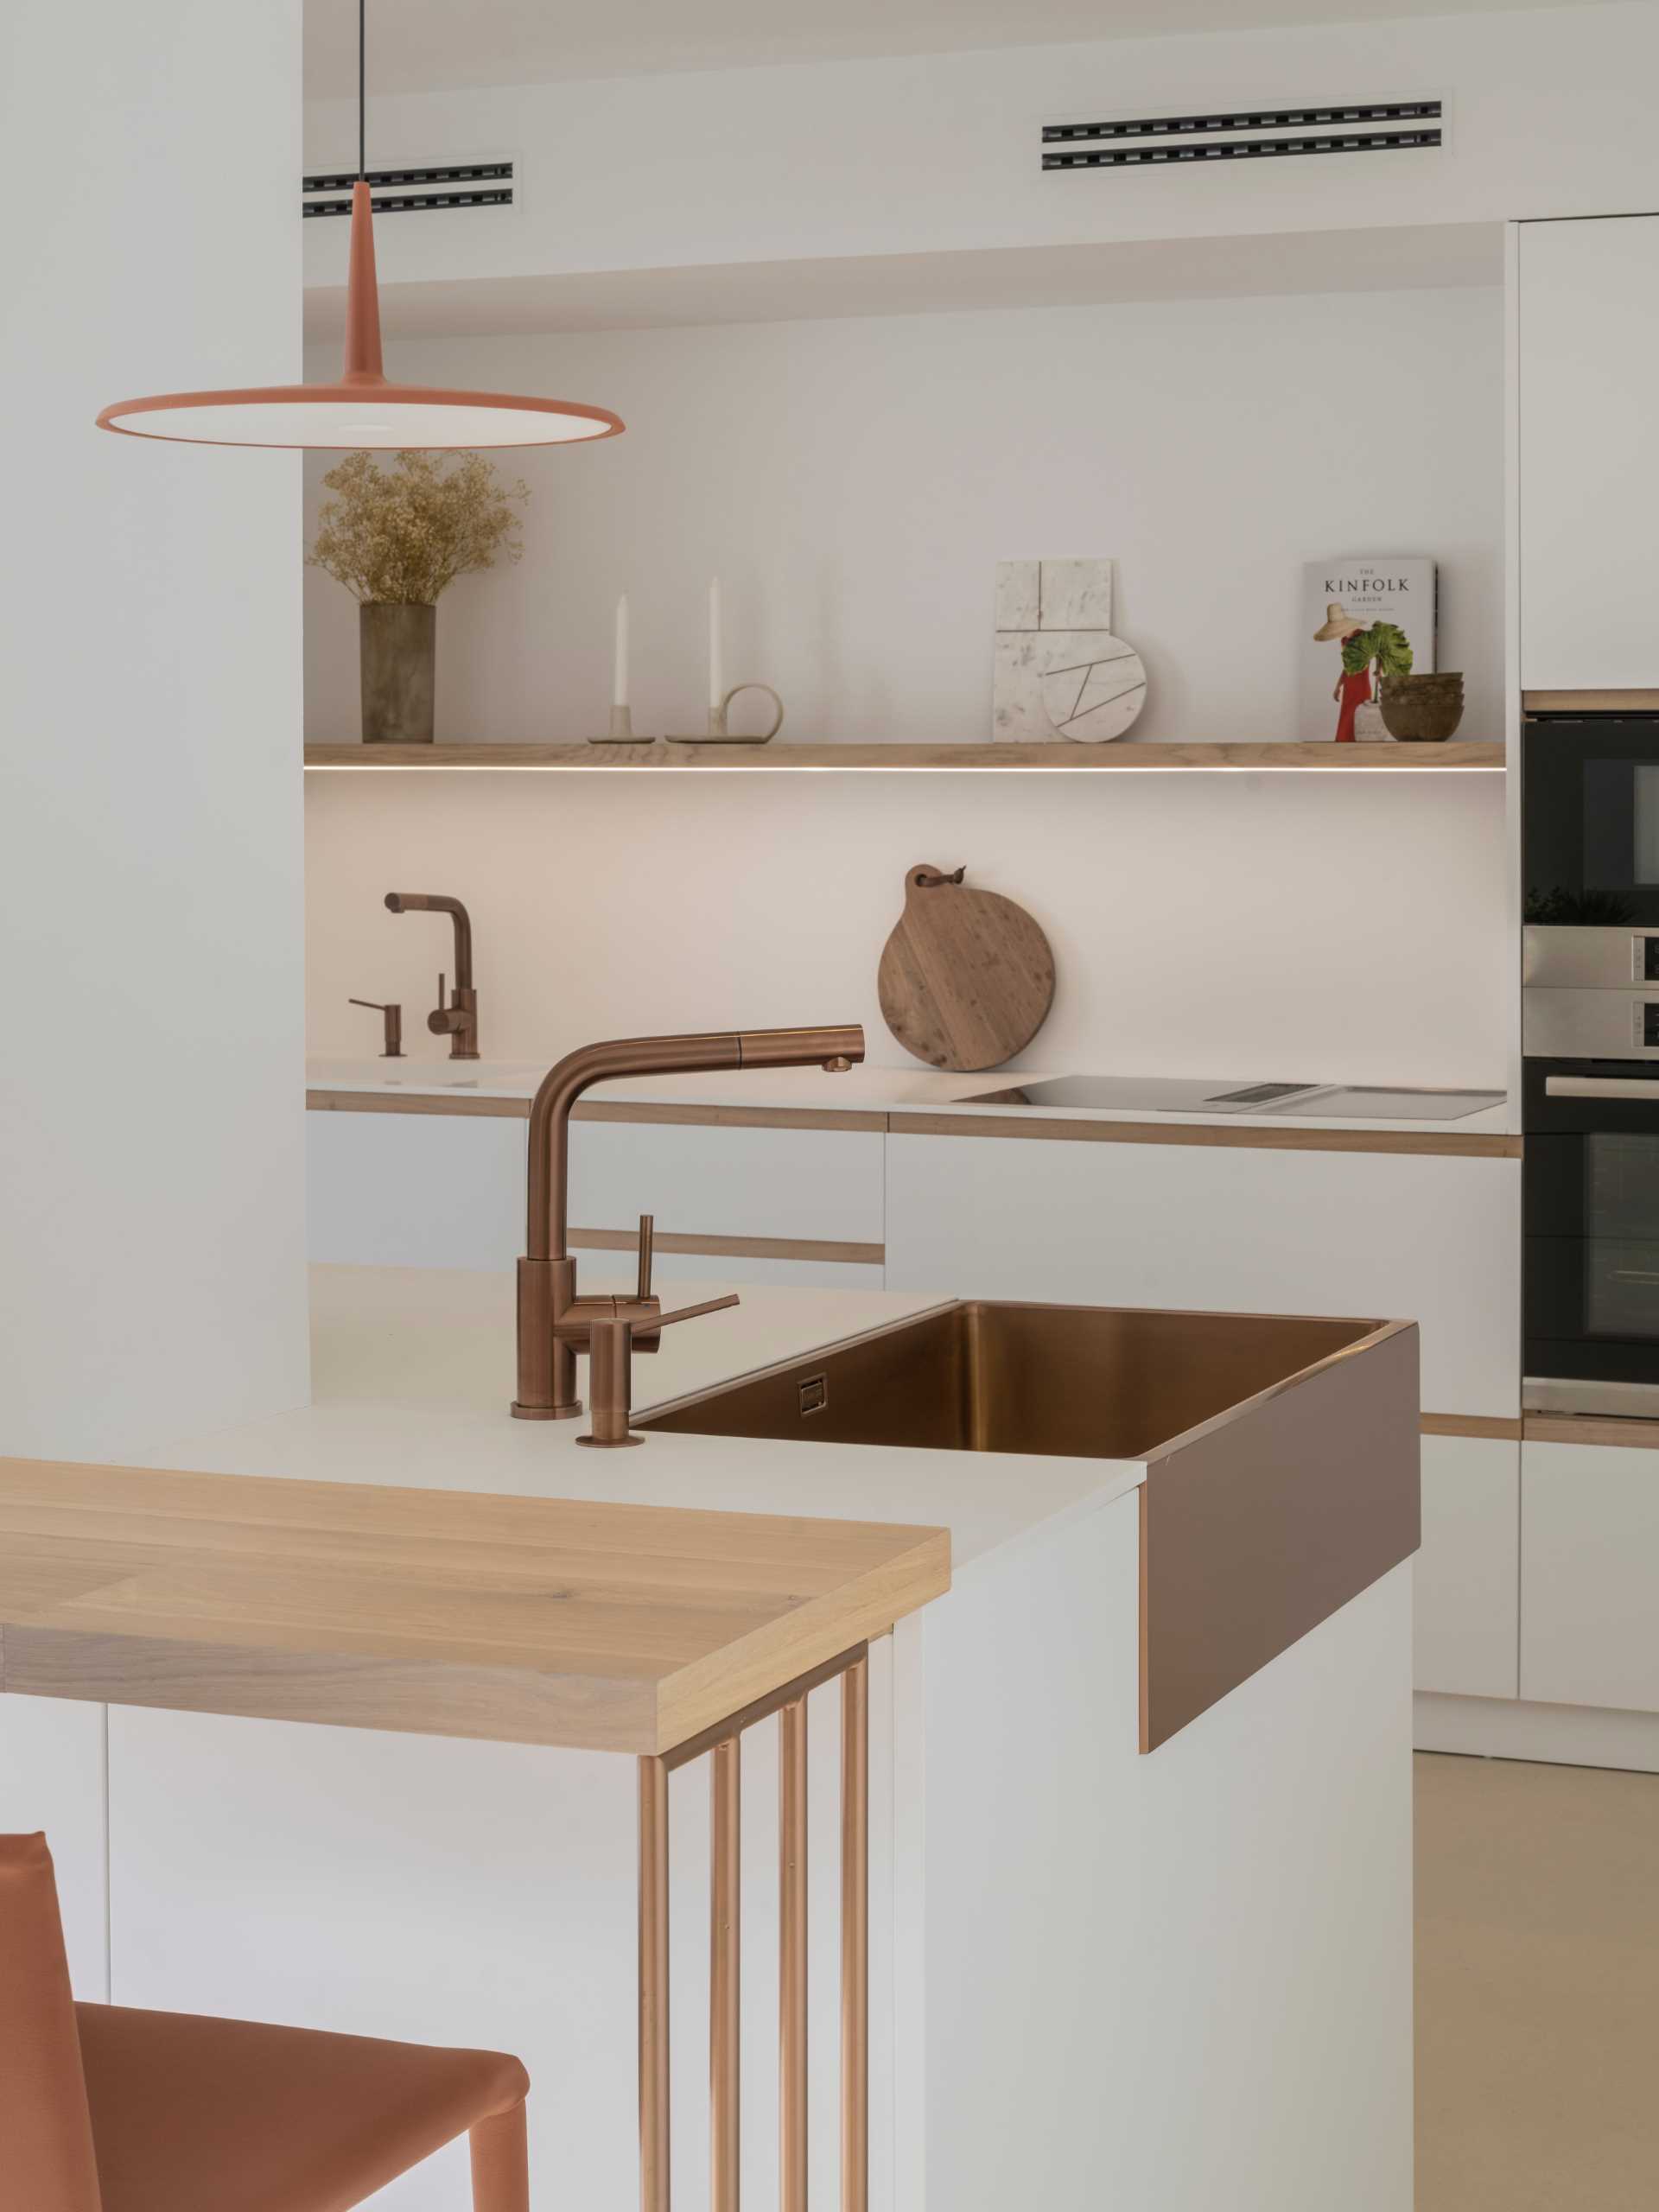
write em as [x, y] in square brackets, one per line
[1348, 758]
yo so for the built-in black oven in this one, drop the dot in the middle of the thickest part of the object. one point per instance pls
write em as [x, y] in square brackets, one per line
[1591, 1269]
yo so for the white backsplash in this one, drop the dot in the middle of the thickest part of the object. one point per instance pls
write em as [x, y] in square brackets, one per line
[1247, 925]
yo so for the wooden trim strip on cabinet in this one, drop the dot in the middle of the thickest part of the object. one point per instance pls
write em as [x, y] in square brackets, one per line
[1469, 1145]
[1590, 1429]
[466, 1104]
[1487, 1145]
[732, 1248]
[1590, 703]
[732, 1117]
[416, 1102]
[1489, 1425]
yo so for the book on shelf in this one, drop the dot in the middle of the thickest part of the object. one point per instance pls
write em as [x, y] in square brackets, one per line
[1359, 617]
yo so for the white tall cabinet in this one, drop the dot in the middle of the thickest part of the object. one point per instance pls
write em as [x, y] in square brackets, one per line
[1586, 325]
[1588, 333]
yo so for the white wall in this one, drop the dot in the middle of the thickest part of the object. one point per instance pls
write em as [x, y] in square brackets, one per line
[1228, 925]
[150, 852]
[1548, 114]
[854, 483]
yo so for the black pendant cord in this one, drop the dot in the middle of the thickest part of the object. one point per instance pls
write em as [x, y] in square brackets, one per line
[362, 49]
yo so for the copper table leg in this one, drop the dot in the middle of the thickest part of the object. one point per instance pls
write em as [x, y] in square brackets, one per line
[792, 1976]
[855, 1937]
[654, 2179]
[725, 2046]
[722, 1741]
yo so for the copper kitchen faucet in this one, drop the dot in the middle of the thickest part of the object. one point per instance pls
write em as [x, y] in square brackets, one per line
[554, 1323]
[459, 1019]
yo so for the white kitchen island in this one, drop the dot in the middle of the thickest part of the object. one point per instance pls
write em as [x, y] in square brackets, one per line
[1168, 1982]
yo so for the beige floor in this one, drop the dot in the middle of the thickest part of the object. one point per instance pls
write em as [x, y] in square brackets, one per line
[1537, 1988]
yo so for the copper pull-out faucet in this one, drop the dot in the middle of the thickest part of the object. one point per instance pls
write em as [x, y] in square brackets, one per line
[554, 1323]
[458, 1021]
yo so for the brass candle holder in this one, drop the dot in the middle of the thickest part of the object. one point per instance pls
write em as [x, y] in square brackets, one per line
[719, 731]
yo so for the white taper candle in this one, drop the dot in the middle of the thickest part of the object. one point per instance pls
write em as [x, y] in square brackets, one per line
[716, 678]
[620, 679]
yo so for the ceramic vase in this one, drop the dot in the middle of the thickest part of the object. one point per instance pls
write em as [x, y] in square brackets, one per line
[398, 646]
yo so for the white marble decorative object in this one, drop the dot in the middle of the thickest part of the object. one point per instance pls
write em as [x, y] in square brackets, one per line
[1059, 672]
[1019, 594]
[1074, 595]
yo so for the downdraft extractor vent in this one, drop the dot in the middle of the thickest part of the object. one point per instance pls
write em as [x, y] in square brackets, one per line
[415, 189]
[1243, 134]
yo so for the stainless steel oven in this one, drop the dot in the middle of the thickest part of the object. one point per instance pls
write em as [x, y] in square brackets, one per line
[1589, 1033]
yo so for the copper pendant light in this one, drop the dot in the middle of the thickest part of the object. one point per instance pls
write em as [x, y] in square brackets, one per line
[364, 408]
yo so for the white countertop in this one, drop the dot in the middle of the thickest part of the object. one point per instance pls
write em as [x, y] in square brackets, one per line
[413, 1371]
[867, 1088]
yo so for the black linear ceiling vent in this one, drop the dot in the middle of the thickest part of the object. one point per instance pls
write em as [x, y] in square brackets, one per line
[1251, 134]
[415, 189]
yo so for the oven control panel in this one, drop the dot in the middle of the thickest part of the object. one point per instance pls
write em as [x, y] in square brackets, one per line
[1558, 1024]
[1590, 994]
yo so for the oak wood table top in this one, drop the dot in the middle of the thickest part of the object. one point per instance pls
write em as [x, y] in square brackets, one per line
[613, 1627]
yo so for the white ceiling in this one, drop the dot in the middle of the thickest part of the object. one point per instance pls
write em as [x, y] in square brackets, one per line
[427, 45]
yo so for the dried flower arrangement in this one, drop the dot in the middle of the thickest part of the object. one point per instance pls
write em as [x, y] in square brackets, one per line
[399, 537]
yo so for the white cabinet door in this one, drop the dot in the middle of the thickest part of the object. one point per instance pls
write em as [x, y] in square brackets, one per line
[1468, 1572]
[821, 1184]
[1589, 439]
[1392, 1236]
[52, 1779]
[1590, 1575]
[448, 1191]
[414, 1190]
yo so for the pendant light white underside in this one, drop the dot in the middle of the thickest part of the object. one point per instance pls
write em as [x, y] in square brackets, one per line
[349, 424]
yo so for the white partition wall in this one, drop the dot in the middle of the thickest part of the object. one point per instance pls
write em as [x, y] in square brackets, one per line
[151, 1231]
[151, 1214]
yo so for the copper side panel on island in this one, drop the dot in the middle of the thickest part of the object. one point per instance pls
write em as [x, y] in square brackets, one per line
[1265, 1524]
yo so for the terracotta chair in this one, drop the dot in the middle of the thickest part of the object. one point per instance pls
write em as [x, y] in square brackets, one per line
[105, 2110]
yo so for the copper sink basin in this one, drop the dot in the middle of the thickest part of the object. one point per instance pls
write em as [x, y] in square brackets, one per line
[1279, 1455]
[1082, 1381]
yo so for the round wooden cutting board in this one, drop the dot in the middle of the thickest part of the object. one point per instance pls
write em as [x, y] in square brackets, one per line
[967, 977]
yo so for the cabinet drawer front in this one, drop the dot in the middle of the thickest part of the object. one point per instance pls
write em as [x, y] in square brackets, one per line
[414, 1190]
[1590, 1575]
[1409, 1237]
[821, 1184]
[434, 1191]
[1468, 1571]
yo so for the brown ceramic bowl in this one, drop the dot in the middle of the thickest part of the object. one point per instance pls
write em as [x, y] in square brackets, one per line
[1423, 710]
